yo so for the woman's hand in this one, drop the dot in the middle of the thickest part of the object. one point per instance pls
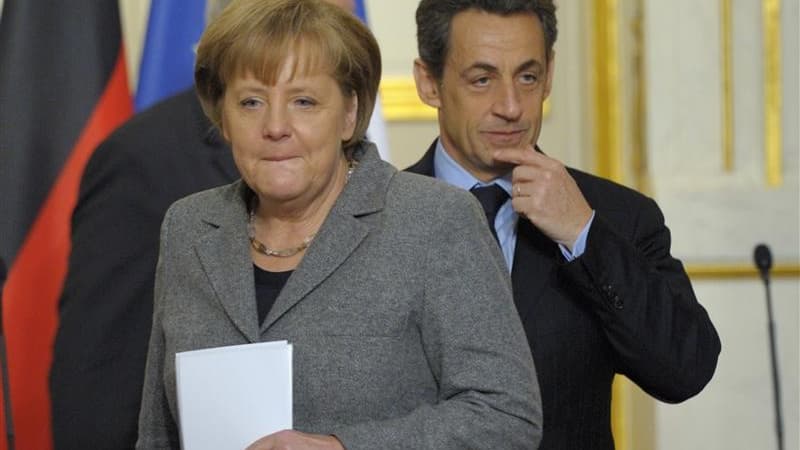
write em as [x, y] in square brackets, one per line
[295, 440]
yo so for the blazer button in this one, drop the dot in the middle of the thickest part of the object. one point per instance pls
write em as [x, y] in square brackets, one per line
[618, 303]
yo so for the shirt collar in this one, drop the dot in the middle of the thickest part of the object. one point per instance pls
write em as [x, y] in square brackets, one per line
[447, 169]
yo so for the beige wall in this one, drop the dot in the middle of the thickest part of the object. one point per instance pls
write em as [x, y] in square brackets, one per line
[718, 215]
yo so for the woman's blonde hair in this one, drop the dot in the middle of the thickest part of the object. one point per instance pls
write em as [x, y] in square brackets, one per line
[257, 36]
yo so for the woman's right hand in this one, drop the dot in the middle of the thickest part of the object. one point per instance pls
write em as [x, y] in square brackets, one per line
[296, 440]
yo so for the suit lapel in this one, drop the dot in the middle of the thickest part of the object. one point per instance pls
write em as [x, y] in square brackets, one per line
[533, 256]
[338, 239]
[534, 263]
[225, 255]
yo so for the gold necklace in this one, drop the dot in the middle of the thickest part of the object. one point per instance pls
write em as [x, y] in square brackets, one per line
[284, 252]
[280, 253]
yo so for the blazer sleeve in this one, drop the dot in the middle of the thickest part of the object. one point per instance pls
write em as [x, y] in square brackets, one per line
[475, 346]
[157, 428]
[662, 338]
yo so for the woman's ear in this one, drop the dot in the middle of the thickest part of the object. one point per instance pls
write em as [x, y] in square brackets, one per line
[351, 115]
[427, 86]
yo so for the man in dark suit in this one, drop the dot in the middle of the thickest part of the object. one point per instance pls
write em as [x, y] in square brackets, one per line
[593, 278]
[159, 156]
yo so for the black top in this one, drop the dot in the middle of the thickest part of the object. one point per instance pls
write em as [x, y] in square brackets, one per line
[268, 286]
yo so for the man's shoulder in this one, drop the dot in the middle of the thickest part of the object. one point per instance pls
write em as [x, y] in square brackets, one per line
[171, 135]
[177, 114]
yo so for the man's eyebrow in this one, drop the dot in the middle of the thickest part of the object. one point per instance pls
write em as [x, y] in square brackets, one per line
[487, 67]
[480, 66]
[530, 64]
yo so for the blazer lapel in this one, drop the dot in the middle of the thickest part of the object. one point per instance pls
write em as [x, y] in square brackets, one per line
[339, 238]
[341, 233]
[225, 256]
[534, 264]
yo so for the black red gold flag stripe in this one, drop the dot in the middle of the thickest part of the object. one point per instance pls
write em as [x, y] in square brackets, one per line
[63, 89]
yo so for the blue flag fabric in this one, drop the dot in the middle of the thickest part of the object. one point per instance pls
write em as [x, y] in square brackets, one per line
[377, 132]
[360, 10]
[167, 64]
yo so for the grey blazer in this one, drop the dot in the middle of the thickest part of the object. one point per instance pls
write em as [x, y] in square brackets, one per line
[401, 316]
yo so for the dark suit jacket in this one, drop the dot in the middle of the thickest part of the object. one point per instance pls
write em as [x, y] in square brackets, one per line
[625, 306]
[160, 155]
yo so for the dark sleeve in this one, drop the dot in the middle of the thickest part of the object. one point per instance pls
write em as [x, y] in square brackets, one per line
[106, 305]
[662, 338]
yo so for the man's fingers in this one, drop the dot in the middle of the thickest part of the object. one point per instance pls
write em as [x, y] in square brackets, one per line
[516, 155]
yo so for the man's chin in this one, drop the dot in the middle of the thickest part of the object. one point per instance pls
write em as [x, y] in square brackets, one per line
[499, 168]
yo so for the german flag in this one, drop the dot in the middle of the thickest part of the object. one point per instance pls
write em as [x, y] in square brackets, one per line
[63, 89]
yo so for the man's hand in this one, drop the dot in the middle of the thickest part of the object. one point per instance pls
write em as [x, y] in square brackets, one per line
[545, 193]
[295, 440]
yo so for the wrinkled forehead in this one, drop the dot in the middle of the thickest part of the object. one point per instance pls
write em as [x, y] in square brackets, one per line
[510, 39]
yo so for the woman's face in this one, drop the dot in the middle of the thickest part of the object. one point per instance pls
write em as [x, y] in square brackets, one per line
[286, 138]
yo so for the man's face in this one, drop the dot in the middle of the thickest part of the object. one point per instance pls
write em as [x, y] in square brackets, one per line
[495, 80]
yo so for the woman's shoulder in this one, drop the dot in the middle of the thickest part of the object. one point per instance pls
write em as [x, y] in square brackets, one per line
[209, 200]
[416, 184]
[429, 196]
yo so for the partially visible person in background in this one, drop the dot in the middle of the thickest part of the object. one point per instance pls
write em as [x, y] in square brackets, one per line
[388, 285]
[106, 307]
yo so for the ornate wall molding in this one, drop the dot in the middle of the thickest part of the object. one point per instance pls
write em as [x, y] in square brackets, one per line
[726, 28]
[773, 92]
[739, 270]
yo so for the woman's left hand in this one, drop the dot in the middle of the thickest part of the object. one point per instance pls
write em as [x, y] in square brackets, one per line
[296, 440]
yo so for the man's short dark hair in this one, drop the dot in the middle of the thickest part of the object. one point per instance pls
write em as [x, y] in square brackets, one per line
[434, 18]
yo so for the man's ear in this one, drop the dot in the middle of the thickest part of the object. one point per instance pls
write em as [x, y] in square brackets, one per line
[427, 86]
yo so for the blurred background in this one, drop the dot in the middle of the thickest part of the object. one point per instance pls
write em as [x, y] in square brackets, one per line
[694, 104]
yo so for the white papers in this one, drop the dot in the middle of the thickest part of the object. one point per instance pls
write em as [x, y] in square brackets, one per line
[228, 397]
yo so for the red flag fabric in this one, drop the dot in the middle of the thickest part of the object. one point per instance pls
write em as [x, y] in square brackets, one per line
[63, 89]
